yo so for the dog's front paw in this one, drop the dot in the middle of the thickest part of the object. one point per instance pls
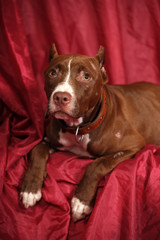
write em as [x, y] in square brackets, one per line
[30, 192]
[79, 209]
[29, 199]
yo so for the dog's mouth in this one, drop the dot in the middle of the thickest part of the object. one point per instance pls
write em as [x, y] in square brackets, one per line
[69, 120]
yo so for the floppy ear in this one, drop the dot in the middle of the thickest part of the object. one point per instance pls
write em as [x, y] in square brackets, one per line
[100, 56]
[53, 52]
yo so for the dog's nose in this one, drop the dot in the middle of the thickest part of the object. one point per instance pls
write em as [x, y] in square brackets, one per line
[62, 98]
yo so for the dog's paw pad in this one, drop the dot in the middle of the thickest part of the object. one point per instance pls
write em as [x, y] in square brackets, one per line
[79, 209]
[30, 199]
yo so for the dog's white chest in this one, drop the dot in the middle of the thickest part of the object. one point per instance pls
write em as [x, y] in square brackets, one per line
[70, 144]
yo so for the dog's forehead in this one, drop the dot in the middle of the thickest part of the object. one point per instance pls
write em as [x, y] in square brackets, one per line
[75, 60]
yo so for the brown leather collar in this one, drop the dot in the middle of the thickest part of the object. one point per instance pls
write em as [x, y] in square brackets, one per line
[89, 127]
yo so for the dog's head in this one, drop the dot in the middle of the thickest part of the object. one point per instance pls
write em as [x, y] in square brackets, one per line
[73, 84]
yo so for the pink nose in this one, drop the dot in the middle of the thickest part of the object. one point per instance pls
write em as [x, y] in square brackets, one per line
[62, 98]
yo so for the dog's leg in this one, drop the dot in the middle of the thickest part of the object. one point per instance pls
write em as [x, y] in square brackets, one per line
[35, 174]
[82, 201]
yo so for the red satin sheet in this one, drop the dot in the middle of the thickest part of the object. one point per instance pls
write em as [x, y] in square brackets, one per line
[127, 205]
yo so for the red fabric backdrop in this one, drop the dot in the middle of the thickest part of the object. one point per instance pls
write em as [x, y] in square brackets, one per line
[128, 200]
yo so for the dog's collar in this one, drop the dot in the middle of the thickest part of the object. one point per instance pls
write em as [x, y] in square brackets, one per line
[89, 127]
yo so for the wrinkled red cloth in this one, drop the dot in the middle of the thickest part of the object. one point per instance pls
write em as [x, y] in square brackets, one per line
[127, 205]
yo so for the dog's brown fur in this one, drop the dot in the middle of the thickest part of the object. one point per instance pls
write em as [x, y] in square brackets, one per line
[132, 120]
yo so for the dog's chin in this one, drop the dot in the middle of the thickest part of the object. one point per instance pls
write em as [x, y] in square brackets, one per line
[69, 120]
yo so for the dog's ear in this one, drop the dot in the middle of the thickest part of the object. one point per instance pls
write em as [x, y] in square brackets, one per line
[100, 56]
[53, 52]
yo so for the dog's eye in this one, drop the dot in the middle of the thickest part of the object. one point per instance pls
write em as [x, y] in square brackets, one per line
[83, 77]
[52, 73]
[86, 76]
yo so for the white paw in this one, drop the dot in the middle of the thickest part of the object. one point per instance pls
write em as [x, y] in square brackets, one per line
[30, 199]
[79, 209]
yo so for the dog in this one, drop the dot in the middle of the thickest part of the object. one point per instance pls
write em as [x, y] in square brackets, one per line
[91, 118]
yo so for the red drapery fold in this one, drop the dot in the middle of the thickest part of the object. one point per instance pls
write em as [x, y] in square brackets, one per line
[128, 200]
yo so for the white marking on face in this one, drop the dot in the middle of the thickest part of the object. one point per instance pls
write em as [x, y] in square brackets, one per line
[30, 199]
[79, 209]
[71, 145]
[65, 86]
[69, 71]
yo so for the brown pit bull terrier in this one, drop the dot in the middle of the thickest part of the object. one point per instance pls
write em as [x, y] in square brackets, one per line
[92, 119]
